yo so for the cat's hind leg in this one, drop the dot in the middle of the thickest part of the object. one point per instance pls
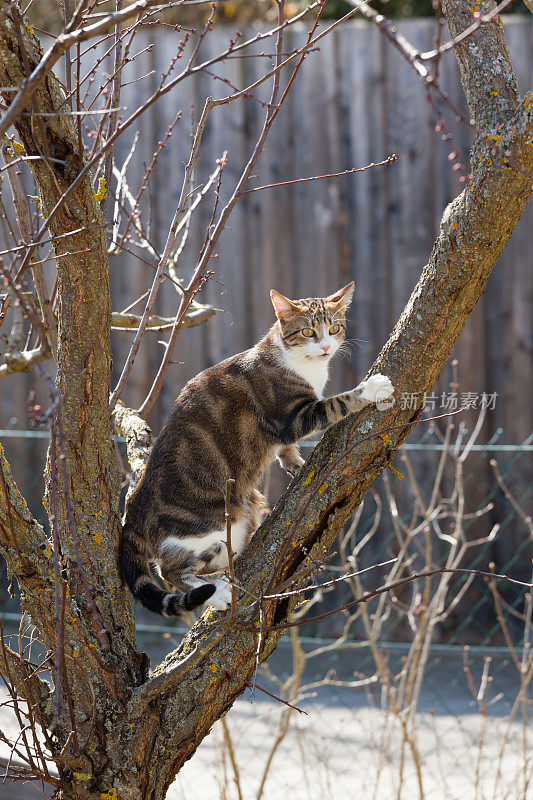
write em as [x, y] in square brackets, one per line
[221, 598]
[144, 585]
[182, 567]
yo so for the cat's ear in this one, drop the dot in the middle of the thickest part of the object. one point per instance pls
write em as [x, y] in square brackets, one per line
[343, 297]
[282, 305]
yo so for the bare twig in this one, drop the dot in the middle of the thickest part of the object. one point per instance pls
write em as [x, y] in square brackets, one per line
[390, 160]
[230, 483]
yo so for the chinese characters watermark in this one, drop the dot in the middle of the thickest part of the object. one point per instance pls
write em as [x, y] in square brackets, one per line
[448, 401]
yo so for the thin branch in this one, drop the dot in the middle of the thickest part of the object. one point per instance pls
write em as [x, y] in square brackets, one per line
[20, 201]
[115, 101]
[280, 700]
[131, 322]
[390, 160]
[230, 483]
[24, 360]
[382, 590]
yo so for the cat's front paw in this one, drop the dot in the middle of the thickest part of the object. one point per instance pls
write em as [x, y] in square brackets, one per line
[222, 596]
[293, 465]
[378, 389]
[291, 460]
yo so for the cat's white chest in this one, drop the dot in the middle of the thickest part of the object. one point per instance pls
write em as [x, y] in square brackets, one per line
[313, 370]
[316, 374]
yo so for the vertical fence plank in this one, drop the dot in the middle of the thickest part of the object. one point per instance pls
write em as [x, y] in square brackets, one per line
[185, 98]
[359, 73]
[509, 339]
[228, 332]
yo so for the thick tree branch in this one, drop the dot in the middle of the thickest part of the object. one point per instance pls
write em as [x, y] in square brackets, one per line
[28, 555]
[83, 486]
[23, 543]
[486, 73]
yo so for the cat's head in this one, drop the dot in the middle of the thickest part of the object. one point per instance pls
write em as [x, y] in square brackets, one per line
[313, 328]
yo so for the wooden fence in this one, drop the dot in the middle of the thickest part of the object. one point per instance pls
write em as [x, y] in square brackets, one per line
[355, 102]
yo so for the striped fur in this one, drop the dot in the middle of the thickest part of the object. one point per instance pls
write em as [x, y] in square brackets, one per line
[231, 421]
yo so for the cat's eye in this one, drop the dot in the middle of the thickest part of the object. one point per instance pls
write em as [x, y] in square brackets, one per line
[334, 329]
[308, 332]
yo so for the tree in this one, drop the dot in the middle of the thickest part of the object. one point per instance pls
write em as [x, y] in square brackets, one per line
[111, 727]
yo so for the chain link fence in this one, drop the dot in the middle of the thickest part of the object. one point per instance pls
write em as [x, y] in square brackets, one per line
[420, 691]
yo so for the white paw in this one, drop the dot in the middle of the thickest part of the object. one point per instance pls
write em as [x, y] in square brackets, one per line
[221, 599]
[379, 390]
[292, 466]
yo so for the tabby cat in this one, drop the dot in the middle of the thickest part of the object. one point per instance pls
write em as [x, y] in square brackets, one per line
[231, 421]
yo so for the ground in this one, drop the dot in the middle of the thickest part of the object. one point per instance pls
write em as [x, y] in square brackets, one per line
[348, 746]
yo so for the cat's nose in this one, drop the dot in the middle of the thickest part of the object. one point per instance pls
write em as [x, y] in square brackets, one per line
[325, 347]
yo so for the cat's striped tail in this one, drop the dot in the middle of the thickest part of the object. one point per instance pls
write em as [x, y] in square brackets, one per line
[138, 576]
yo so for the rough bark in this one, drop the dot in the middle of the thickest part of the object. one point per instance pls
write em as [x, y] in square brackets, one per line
[143, 730]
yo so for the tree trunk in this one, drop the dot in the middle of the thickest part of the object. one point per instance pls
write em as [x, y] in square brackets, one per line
[99, 642]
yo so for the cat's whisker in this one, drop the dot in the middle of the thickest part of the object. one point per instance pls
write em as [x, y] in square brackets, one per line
[344, 351]
[356, 342]
[339, 313]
